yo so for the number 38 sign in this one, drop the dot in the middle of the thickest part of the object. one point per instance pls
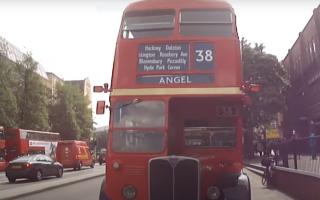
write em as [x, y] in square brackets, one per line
[203, 56]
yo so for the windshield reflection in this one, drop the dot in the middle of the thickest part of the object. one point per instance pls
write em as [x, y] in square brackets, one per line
[148, 114]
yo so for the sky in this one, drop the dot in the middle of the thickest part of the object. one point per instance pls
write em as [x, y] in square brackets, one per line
[75, 39]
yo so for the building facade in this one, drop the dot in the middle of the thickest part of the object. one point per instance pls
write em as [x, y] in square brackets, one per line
[53, 81]
[12, 53]
[50, 80]
[84, 86]
[303, 65]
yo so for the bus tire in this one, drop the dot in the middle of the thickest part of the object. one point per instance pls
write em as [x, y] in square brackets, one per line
[102, 195]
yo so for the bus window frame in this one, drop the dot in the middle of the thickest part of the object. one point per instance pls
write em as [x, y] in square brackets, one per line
[159, 130]
[125, 32]
[42, 136]
[219, 23]
[114, 121]
[235, 146]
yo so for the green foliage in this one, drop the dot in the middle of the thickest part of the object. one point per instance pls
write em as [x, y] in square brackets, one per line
[8, 102]
[32, 97]
[70, 115]
[265, 70]
[24, 102]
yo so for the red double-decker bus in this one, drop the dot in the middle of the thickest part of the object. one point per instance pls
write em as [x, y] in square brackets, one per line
[176, 98]
[22, 142]
[2, 150]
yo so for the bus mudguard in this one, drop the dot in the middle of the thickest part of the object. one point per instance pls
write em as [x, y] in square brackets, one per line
[241, 191]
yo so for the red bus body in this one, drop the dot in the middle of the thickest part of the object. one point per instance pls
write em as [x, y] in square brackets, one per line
[175, 129]
[22, 142]
[74, 154]
[2, 150]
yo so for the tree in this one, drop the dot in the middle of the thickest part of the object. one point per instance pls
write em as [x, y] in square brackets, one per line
[32, 97]
[8, 102]
[263, 69]
[84, 116]
[70, 114]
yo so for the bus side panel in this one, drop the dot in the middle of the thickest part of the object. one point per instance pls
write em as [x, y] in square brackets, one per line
[12, 138]
[24, 147]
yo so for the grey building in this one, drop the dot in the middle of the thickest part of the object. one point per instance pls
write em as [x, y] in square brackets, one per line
[11, 52]
[84, 86]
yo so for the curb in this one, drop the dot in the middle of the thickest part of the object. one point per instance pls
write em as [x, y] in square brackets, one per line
[255, 168]
[49, 187]
[256, 171]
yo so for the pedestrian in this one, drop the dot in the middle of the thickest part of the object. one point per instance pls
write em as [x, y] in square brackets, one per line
[284, 151]
[313, 146]
[312, 141]
[260, 148]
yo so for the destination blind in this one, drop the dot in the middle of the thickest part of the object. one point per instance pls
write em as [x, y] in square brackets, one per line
[162, 58]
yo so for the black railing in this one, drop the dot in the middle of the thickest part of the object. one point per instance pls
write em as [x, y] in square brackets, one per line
[298, 153]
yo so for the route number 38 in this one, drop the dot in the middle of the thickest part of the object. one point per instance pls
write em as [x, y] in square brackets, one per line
[203, 56]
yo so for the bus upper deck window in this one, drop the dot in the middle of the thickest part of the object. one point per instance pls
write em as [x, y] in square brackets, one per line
[206, 23]
[148, 24]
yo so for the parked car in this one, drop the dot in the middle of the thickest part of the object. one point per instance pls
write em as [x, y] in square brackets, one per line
[33, 167]
[102, 156]
[74, 154]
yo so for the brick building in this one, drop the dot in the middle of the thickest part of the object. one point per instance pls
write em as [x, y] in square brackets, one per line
[303, 64]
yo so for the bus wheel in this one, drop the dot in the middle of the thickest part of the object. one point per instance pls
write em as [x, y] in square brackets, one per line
[11, 180]
[59, 172]
[92, 165]
[38, 176]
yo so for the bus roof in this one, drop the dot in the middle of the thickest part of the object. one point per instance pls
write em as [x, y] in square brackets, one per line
[176, 4]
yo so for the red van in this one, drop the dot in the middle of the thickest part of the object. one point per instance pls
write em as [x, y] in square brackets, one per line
[74, 154]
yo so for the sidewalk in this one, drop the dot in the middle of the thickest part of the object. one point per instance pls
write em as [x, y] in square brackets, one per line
[254, 161]
[304, 162]
[58, 182]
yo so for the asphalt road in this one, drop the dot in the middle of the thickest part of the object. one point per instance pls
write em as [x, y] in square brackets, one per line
[89, 190]
[86, 190]
[68, 173]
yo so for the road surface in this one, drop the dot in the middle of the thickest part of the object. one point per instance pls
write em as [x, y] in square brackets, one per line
[89, 190]
[68, 173]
